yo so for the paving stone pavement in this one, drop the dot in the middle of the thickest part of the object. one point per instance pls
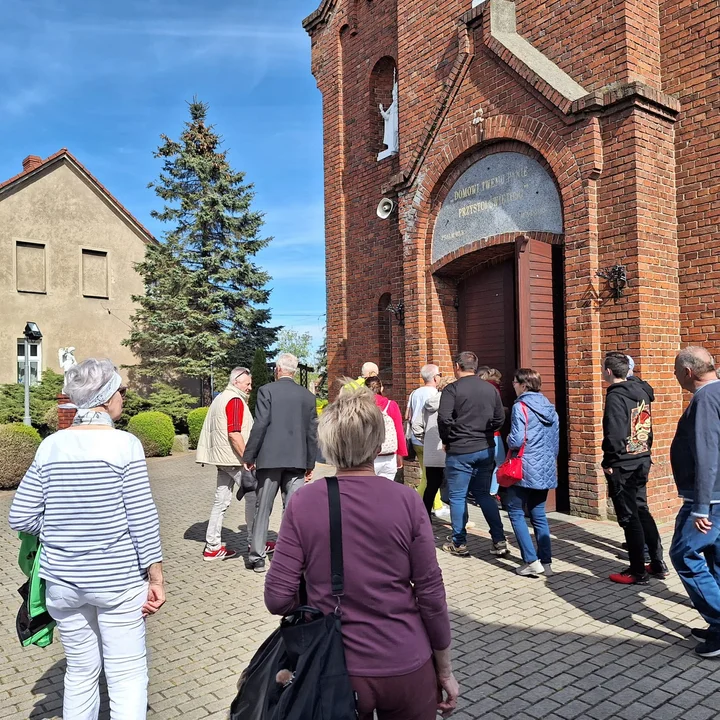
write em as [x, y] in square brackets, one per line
[571, 646]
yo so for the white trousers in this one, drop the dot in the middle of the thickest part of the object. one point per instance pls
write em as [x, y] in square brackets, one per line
[102, 630]
[386, 466]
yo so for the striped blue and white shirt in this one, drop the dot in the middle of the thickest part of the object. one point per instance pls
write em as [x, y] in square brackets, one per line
[87, 494]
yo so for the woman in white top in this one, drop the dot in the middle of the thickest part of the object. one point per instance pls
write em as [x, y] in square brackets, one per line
[87, 495]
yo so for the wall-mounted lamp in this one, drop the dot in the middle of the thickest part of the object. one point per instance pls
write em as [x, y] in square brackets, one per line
[616, 277]
[398, 311]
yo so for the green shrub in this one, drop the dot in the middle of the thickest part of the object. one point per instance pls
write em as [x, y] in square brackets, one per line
[155, 431]
[195, 420]
[50, 419]
[43, 396]
[18, 444]
[134, 404]
[173, 402]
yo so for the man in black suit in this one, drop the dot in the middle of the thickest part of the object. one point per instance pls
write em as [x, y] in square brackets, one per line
[282, 446]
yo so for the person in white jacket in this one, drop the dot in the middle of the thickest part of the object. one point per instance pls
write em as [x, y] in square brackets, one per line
[425, 427]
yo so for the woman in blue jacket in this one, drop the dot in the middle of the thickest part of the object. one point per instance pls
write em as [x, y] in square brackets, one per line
[534, 423]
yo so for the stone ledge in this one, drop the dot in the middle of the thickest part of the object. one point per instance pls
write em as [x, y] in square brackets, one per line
[623, 94]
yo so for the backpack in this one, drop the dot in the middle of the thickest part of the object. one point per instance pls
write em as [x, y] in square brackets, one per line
[390, 444]
[299, 672]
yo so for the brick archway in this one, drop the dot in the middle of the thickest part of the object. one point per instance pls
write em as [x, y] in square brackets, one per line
[431, 300]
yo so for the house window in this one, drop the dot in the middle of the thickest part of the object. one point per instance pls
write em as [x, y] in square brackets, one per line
[35, 361]
[30, 267]
[94, 274]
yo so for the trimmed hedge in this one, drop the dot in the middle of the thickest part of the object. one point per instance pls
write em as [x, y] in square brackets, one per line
[156, 432]
[18, 444]
[195, 420]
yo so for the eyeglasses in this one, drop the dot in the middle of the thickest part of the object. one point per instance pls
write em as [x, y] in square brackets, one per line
[123, 391]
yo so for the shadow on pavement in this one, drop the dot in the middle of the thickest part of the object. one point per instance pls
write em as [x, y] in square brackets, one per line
[50, 686]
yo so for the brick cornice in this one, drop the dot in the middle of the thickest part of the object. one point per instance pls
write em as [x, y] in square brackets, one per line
[319, 16]
[613, 98]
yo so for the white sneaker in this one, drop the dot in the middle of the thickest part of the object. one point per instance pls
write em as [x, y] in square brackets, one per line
[548, 569]
[531, 569]
[442, 513]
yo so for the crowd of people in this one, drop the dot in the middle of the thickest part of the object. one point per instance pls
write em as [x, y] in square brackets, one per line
[87, 496]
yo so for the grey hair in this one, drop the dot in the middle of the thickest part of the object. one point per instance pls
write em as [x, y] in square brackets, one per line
[697, 359]
[351, 430]
[369, 369]
[287, 363]
[428, 372]
[85, 380]
[237, 372]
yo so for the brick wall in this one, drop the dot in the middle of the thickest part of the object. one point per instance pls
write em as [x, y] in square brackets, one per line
[635, 179]
[66, 412]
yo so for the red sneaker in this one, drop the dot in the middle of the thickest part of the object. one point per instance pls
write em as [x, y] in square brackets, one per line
[269, 547]
[628, 578]
[222, 553]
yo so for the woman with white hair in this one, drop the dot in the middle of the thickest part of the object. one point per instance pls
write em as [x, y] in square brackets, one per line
[87, 495]
[395, 623]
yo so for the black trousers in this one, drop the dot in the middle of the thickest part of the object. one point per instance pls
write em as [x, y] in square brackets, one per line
[434, 476]
[628, 492]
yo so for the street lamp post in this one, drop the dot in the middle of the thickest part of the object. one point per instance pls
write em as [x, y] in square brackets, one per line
[32, 334]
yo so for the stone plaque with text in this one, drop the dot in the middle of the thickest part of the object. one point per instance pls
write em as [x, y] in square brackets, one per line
[502, 193]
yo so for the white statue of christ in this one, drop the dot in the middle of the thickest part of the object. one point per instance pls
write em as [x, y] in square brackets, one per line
[391, 137]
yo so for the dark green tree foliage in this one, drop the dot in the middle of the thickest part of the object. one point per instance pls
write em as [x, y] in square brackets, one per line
[43, 396]
[172, 402]
[321, 361]
[203, 288]
[260, 376]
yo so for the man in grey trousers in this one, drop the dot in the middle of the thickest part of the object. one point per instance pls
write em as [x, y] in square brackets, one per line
[282, 448]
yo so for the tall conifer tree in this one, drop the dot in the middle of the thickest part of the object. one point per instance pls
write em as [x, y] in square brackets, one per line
[200, 311]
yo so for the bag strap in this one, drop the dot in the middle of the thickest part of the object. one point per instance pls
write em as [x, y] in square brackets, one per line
[337, 573]
[521, 452]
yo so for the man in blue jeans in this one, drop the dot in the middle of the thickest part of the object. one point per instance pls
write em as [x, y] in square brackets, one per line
[695, 458]
[470, 412]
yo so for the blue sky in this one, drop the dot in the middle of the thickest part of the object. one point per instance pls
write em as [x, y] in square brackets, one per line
[105, 79]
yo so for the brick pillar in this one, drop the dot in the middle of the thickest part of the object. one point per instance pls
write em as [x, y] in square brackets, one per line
[66, 412]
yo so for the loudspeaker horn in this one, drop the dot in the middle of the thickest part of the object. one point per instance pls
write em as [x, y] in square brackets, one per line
[385, 208]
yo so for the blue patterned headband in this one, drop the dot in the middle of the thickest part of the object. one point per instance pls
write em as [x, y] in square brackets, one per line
[104, 394]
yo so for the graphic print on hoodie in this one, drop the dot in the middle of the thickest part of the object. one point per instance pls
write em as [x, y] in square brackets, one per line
[627, 424]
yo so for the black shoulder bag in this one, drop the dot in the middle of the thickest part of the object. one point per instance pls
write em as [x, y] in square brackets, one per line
[299, 672]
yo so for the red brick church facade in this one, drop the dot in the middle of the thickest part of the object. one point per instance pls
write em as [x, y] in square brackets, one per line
[540, 142]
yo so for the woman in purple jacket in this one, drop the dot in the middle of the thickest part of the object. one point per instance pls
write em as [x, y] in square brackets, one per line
[395, 623]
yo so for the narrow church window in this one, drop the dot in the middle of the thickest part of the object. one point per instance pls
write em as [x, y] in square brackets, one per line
[94, 274]
[30, 267]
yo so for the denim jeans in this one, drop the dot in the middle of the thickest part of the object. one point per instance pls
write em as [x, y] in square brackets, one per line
[535, 501]
[472, 472]
[696, 557]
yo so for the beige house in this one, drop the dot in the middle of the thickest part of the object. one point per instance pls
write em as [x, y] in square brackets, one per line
[67, 255]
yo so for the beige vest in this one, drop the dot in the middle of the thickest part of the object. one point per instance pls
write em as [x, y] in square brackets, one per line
[214, 446]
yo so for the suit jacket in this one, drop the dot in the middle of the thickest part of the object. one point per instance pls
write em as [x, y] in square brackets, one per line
[285, 431]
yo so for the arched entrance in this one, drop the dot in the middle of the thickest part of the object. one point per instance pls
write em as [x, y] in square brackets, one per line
[498, 236]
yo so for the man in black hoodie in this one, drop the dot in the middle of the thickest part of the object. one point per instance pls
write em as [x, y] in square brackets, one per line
[627, 442]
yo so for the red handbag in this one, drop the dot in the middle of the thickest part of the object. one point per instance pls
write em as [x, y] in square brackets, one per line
[511, 471]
